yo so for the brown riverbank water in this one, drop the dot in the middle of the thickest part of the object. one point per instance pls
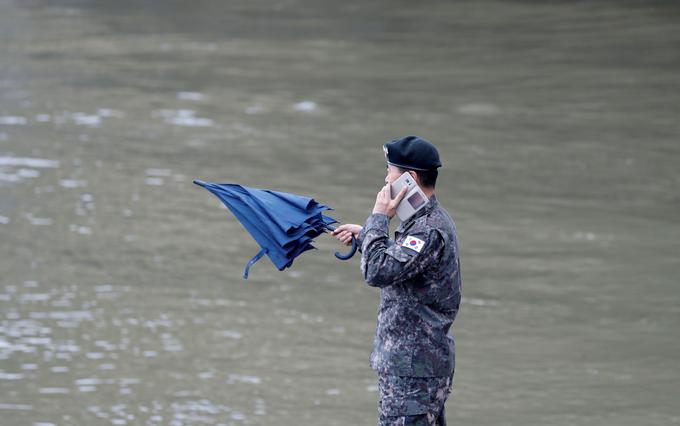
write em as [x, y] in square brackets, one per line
[121, 298]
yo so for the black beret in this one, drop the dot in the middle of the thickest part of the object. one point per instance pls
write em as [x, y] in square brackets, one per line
[412, 152]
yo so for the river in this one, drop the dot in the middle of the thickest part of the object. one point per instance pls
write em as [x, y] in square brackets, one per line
[121, 297]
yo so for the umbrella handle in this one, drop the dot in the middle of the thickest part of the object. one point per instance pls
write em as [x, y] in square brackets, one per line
[351, 251]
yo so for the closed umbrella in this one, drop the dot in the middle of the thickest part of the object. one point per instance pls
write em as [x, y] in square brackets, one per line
[283, 224]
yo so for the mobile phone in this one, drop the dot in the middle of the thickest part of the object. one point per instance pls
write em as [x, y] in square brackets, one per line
[414, 200]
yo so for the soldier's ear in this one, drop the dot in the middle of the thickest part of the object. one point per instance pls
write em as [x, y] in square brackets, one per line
[414, 175]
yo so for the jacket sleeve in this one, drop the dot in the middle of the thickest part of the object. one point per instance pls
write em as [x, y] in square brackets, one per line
[384, 263]
[360, 239]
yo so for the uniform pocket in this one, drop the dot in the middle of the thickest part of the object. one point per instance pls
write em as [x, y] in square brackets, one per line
[404, 396]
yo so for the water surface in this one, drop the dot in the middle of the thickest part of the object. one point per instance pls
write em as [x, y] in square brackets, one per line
[121, 300]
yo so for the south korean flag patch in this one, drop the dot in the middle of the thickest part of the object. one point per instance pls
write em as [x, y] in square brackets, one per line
[413, 243]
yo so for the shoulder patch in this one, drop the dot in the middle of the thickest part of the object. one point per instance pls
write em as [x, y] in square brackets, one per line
[413, 243]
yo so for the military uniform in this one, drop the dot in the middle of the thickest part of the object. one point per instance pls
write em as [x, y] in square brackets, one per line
[419, 277]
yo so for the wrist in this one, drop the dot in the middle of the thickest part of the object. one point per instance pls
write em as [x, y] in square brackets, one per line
[377, 221]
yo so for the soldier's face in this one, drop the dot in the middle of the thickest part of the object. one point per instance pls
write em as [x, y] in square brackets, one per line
[393, 174]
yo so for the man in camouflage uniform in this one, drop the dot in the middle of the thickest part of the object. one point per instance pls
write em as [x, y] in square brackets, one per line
[420, 291]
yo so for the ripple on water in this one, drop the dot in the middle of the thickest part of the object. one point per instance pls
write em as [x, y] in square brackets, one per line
[11, 376]
[28, 173]
[171, 343]
[238, 378]
[64, 315]
[229, 333]
[94, 355]
[12, 120]
[28, 162]
[305, 106]
[18, 407]
[255, 109]
[83, 119]
[54, 391]
[72, 183]
[182, 117]
[103, 288]
[34, 297]
[154, 181]
[108, 112]
[478, 302]
[190, 96]
[80, 229]
[80, 118]
[38, 221]
[155, 176]
[23, 172]
[260, 408]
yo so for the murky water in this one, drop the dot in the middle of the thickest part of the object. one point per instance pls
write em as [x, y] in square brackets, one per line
[121, 300]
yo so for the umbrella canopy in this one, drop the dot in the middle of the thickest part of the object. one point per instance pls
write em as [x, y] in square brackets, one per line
[283, 224]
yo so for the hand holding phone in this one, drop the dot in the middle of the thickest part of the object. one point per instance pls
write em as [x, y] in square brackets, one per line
[385, 204]
[414, 200]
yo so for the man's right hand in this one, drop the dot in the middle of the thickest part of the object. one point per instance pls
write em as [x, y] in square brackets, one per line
[345, 232]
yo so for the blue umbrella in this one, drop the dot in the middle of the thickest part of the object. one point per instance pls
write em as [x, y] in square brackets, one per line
[283, 224]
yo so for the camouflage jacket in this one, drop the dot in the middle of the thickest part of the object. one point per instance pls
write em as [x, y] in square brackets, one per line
[420, 289]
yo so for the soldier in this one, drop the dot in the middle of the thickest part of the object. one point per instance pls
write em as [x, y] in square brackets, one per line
[420, 291]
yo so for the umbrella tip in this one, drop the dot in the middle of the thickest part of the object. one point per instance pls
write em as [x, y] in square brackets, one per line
[199, 182]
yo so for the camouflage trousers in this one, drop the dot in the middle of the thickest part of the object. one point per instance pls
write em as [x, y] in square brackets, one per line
[413, 401]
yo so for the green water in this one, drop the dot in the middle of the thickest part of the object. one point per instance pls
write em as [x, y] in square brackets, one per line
[121, 300]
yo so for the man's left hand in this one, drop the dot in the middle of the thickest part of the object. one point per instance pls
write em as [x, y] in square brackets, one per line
[385, 204]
